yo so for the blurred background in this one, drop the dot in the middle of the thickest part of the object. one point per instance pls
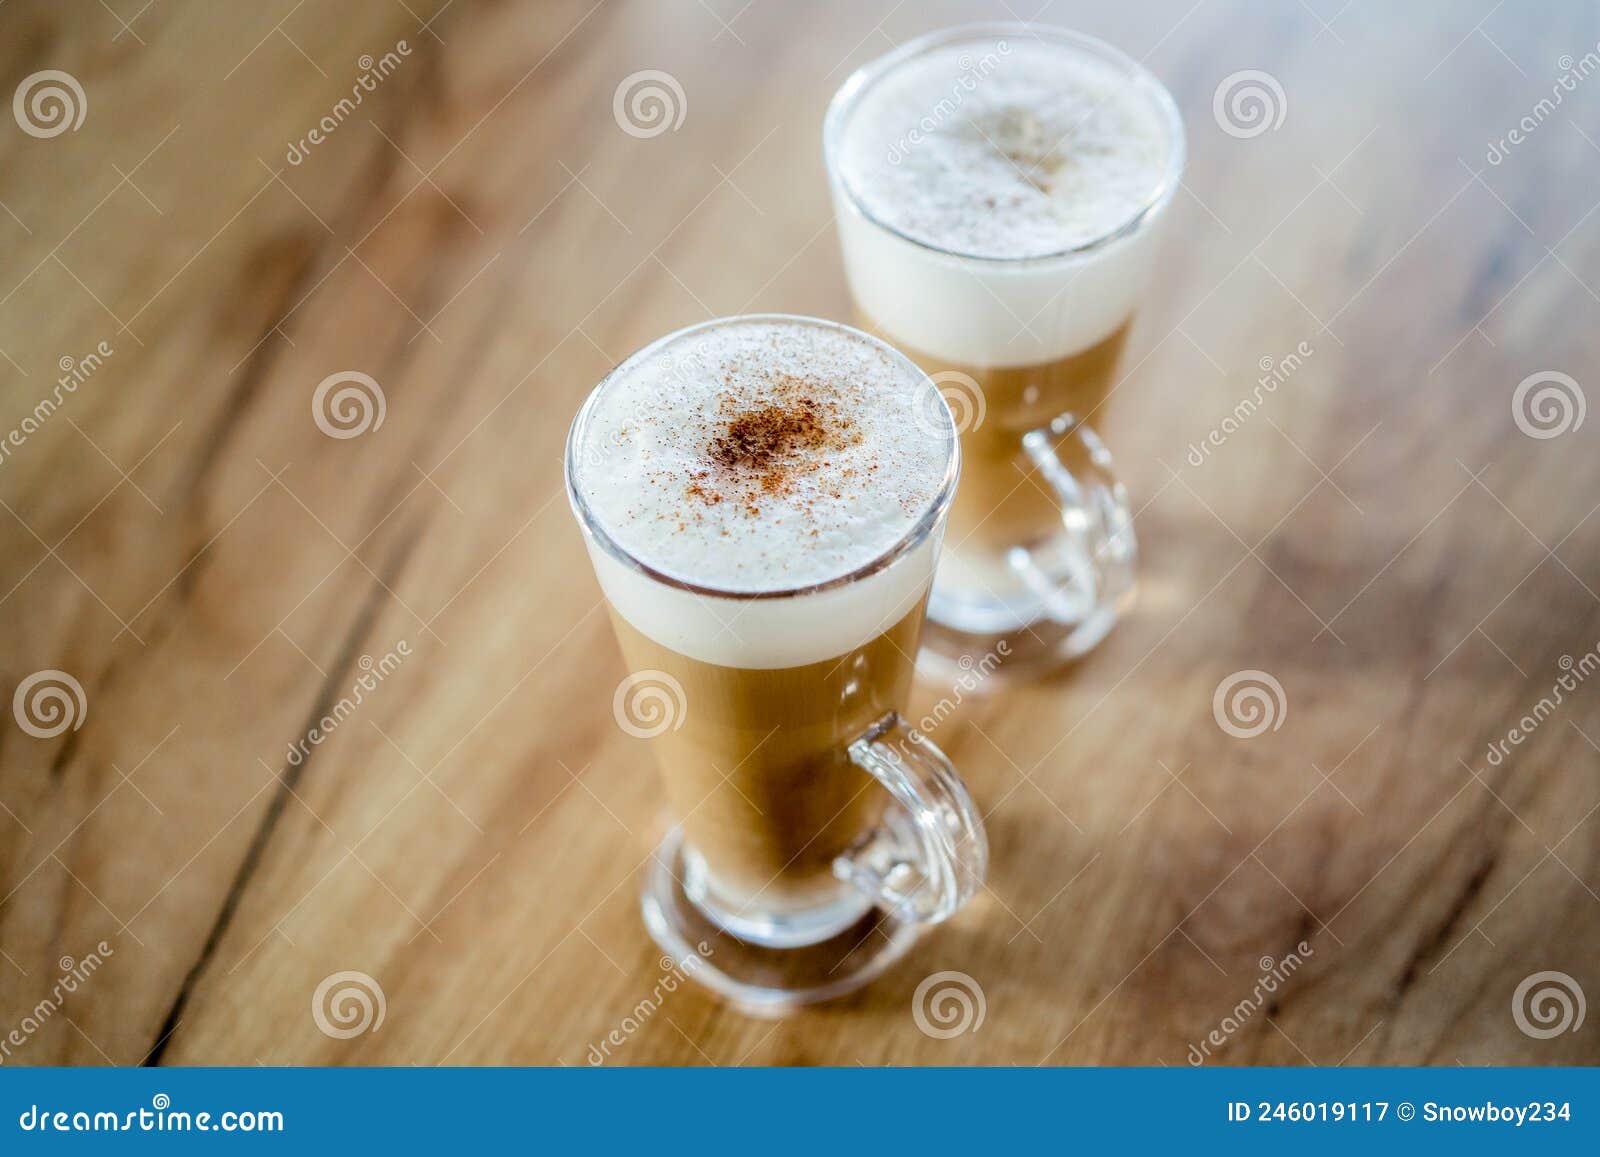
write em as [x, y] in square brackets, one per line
[213, 217]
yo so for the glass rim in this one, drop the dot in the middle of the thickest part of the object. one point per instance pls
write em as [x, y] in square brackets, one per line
[914, 536]
[862, 79]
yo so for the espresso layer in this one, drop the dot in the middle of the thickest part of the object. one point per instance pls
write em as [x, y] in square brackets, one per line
[1002, 500]
[758, 773]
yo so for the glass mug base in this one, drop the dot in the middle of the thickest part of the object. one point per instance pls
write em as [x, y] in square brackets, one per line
[1036, 609]
[1054, 597]
[770, 967]
[767, 927]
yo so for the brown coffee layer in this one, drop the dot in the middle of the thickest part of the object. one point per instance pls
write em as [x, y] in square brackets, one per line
[758, 773]
[1002, 501]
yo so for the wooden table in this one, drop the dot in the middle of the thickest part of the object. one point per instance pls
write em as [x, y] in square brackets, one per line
[480, 236]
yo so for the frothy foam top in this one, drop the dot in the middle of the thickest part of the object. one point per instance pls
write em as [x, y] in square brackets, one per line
[1005, 148]
[763, 454]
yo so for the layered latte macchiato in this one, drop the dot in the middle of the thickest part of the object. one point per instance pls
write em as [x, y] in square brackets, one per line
[995, 190]
[765, 496]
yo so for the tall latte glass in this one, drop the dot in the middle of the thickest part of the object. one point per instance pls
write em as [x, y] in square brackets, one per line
[997, 190]
[763, 500]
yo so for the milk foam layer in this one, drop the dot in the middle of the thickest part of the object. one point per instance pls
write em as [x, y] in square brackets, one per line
[1004, 149]
[761, 455]
[961, 165]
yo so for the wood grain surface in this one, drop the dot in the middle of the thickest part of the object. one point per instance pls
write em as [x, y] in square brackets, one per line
[1384, 535]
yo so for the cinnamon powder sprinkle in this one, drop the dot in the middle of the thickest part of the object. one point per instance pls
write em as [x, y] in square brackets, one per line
[764, 449]
[762, 439]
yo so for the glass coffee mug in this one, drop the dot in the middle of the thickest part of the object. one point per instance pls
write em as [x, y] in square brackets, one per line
[1041, 549]
[814, 832]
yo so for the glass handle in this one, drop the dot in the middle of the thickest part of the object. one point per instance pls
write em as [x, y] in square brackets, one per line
[1100, 550]
[930, 854]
